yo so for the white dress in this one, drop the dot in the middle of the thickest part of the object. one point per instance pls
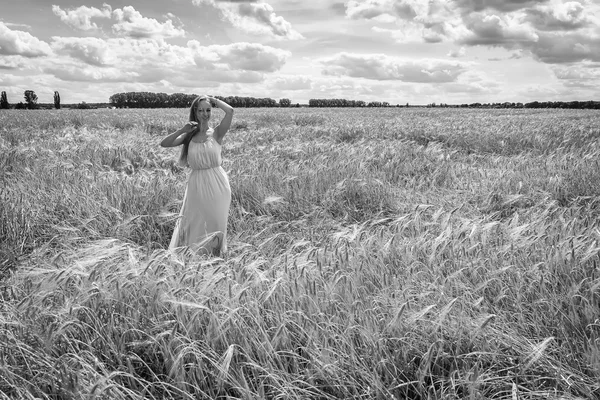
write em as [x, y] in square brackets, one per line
[202, 224]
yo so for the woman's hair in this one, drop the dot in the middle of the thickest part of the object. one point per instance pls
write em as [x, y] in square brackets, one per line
[186, 143]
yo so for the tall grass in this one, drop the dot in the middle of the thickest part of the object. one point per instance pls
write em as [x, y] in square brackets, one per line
[442, 254]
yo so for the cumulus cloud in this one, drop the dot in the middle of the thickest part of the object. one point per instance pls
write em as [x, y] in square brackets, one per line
[148, 52]
[91, 50]
[490, 29]
[566, 16]
[81, 17]
[74, 73]
[584, 76]
[130, 22]
[383, 67]
[264, 14]
[582, 72]
[468, 6]
[127, 21]
[13, 42]
[367, 9]
[402, 9]
[555, 48]
[12, 62]
[254, 17]
[154, 60]
[433, 21]
[239, 56]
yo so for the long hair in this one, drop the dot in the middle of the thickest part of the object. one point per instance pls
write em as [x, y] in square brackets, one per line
[183, 161]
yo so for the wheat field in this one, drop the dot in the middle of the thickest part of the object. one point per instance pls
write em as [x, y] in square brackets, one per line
[374, 254]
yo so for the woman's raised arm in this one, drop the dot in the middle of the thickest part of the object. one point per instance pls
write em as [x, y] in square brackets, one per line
[223, 127]
[178, 137]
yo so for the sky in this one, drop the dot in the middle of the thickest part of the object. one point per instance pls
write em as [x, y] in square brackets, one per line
[399, 51]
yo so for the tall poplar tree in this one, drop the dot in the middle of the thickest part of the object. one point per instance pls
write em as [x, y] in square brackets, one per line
[4, 101]
[56, 100]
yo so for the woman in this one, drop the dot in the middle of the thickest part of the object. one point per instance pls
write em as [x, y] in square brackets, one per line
[202, 224]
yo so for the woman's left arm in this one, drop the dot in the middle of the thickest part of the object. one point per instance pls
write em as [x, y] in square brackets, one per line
[223, 127]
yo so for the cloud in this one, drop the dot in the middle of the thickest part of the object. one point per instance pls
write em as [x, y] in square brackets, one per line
[366, 9]
[292, 82]
[455, 53]
[406, 10]
[93, 51]
[551, 31]
[8, 80]
[338, 7]
[555, 48]
[518, 54]
[149, 52]
[580, 73]
[581, 76]
[128, 21]
[75, 73]
[409, 32]
[474, 83]
[469, 6]
[13, 25]
[131, 23]
[13, 62]
[222, 76]
[264, 14]
[21, 43]
[566, 16]
[81, 17]
[154, 60]
[431, 21]
[255, 18]
[239, 56]
[490, 29]
[383, 67]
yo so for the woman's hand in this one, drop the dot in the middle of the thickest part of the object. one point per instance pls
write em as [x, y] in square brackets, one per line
[179, 136]
[190, 126]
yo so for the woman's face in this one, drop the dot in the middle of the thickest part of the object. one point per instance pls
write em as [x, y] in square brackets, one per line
[203, 111]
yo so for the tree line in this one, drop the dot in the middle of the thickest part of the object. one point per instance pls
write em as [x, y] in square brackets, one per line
[347, 103]
[591, 104]
[182, 100]
[31, 101]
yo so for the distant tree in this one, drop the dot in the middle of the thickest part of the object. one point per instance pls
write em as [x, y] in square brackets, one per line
[4, 101]
[30, 99]
[56, 100]
[83, 106]
[285, 102]
[20, 106]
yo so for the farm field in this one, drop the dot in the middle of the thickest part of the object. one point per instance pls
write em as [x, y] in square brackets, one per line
[374, 253]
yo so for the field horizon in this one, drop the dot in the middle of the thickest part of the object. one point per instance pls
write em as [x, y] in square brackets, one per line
[374, 253]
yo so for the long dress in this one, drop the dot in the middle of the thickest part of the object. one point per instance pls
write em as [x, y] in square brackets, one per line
[202, 224]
